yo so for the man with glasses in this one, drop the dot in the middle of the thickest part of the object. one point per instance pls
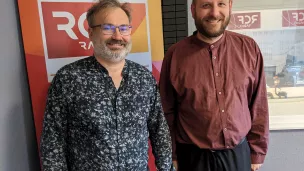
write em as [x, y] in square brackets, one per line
[101, 110]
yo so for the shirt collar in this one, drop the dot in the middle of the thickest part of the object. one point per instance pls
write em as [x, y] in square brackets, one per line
[101, 68]
[203, 44]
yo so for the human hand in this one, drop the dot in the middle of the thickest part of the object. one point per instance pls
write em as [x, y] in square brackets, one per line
[255, 167]
[175, 164]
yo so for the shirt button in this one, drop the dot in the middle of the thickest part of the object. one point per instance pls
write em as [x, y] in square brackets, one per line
[214, 57]
[223, 111]
[225, 129]
[227, 146]
[220, 92]
[217, 74]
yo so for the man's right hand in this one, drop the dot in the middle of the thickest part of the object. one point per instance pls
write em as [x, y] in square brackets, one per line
[175, 164]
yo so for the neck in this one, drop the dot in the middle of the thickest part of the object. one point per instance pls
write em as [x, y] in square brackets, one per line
[209, 40]
[114, 68]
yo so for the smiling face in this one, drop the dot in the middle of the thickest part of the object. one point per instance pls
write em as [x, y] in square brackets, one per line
[211, 16]
[111, 47]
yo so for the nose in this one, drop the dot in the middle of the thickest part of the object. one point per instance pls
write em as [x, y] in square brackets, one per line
[215, 11]
[116, 35]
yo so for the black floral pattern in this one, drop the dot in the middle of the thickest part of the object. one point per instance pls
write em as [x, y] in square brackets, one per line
[91, 125]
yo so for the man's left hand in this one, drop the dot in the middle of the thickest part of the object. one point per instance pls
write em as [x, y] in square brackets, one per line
[255, 167]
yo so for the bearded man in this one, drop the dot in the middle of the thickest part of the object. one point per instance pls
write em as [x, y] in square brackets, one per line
[214, 96]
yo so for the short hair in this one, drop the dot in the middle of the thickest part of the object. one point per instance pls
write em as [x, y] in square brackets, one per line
[106, 4]
[194, 1]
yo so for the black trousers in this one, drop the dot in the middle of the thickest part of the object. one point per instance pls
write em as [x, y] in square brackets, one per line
[192, 158]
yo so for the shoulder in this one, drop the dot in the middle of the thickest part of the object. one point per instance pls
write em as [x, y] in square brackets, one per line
[180, 48]
[139, 71]
[182, 44]
[75, 66]
[239, 38]
[68, 71]
[140, 78]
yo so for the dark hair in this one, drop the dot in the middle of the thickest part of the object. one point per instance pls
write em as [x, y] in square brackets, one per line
[105, 4]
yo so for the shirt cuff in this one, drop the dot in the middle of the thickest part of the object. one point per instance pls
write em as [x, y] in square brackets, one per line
[174, 157]
[257, 158]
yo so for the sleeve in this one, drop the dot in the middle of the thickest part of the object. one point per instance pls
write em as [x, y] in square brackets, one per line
[258, 136]
[168, 98]
[53, 138]
[159, 134]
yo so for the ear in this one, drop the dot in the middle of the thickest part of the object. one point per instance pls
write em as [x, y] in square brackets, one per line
[193, 10]
[90, 31]
[230, 5]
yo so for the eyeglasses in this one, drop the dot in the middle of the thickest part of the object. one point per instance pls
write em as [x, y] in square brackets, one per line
[109, 29]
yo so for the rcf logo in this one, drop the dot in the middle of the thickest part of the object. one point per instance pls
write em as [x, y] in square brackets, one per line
[245, 21]
[65, 29]
[293, 18]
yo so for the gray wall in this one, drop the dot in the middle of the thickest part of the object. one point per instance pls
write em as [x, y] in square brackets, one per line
[17, 134]
[286, 151]
[286, 148]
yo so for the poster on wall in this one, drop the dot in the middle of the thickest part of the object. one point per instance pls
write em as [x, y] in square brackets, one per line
[280, 36]
[65, 38]
[54, 34]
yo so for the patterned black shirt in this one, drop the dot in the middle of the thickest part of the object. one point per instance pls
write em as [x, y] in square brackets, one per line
[91, 125]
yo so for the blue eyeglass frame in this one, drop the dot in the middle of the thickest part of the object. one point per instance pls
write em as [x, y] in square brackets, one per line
[113, 28]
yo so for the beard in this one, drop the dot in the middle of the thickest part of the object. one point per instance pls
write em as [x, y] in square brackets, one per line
[114, 55]
[208, 30]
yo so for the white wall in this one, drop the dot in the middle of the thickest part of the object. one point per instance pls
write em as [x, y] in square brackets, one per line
[17, 134]
[286, 149]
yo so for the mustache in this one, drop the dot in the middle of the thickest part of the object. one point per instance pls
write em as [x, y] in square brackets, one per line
[113, 41]
[213, 18]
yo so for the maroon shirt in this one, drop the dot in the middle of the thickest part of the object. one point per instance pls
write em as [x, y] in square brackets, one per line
[214, 95]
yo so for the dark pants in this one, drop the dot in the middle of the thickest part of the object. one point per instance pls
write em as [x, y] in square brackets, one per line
[192, 158]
